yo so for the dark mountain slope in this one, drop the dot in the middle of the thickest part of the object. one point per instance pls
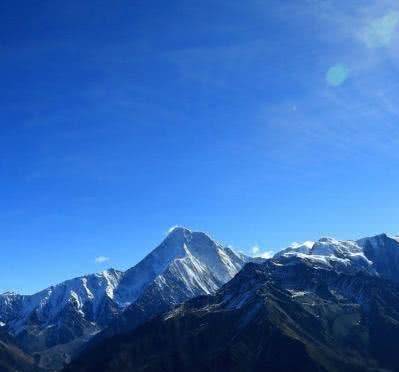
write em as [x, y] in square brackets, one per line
[277, 317]
[12, 358]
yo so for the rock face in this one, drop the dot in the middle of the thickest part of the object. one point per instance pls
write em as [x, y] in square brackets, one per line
[331, 307]
[57, 321]
[383, 251]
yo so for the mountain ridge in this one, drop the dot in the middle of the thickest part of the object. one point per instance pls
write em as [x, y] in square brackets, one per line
[79, 314]
[325, 315]
[63, 317]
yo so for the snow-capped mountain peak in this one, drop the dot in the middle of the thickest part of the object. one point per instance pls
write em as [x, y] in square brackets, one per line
[295, 248]
[377, 255]
[333, 247]
[185, 264]
[48, 303]
[181, 246]
[308, 244]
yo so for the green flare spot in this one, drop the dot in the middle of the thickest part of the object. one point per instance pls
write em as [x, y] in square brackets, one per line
[337, 74]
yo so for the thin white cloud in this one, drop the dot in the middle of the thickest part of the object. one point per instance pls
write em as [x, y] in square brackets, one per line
[255, 249]
[267, 254]
[101, 259]
[379, 32]
[257, 252]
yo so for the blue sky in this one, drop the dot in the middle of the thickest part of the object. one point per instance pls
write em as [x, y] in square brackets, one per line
[261, 122]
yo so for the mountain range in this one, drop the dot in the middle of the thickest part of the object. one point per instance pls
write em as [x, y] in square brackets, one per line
[320, 306]
[55, 323]
[193, 304]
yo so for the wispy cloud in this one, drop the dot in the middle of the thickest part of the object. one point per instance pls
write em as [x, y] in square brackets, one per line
[101, 259]
[266, 254]
[258, 252]
[380, 31]
[348, 108]
[255, 250]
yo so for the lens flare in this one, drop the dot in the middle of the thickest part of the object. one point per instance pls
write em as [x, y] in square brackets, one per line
[337, 74]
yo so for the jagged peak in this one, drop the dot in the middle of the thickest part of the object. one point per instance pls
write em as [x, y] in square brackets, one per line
[184, 232]
[308, 244]
[177, 235]
[110, 271]
[181, 235]
[374, 239]
[377, 236]
[382, 235]
[177, 229]
[328, 239]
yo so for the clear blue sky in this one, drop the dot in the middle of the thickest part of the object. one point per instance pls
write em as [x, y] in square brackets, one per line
[261, 122]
